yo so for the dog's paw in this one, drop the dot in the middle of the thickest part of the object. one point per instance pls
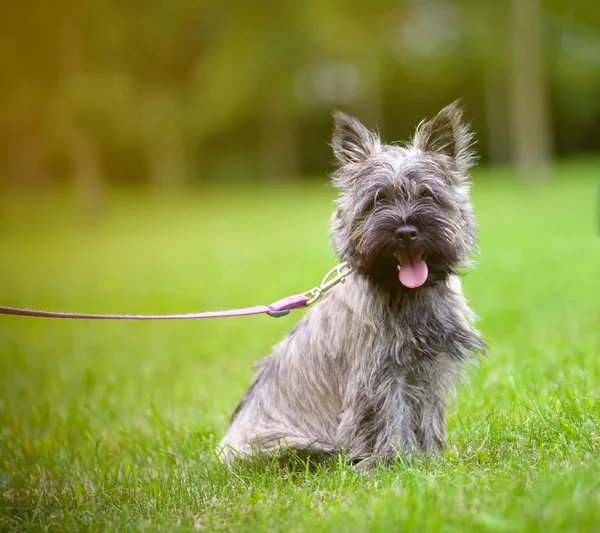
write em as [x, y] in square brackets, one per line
[372, 464]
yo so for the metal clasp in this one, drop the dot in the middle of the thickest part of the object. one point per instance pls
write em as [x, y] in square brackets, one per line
[336, 275]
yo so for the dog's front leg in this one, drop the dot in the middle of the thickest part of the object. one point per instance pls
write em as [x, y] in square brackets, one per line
[398, 416]
[379, 424]
[436, 388]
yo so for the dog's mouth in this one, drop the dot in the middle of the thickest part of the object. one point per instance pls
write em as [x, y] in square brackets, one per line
[412, 268]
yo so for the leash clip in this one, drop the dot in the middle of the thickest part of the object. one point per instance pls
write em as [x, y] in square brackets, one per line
[336, 275]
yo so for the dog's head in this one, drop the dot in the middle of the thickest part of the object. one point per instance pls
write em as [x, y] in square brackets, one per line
[404, 219]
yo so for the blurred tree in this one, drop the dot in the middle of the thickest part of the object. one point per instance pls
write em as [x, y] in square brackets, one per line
[24, 98]
[488, 33]
[529, 104]
[80, 140]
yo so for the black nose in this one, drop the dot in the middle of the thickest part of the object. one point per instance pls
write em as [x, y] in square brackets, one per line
[407, 234]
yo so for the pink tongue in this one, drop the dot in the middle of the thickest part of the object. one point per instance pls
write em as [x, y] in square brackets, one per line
[413, 270]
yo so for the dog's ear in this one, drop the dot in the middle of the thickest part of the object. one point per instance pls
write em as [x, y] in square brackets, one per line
[446, 134]
[352, 142]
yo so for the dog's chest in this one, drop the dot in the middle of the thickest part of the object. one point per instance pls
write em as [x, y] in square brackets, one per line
[409, 346]
[410, 333]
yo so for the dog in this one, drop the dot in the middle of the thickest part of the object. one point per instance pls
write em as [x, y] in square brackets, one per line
[369, 369]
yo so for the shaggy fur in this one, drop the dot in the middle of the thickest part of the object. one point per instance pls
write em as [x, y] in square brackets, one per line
[369, 369]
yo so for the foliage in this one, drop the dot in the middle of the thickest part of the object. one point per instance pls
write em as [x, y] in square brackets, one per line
[168, 92]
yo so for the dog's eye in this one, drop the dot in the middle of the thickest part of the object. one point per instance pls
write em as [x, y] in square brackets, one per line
[428, 197]
[380, 198]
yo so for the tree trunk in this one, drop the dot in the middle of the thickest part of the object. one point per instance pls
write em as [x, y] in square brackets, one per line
[167, 167]
[491, 22]
[82, 146]
[369, 108]
[280, 150]
[495, 102]
[85, 159]
[530, 115]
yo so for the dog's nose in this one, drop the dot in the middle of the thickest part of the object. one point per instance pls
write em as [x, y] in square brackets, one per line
[407, 234]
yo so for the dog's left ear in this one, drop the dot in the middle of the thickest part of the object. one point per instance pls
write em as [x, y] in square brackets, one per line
[352, 142]
[446, 134]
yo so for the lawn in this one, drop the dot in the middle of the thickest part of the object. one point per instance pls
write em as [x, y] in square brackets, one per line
[113, 425]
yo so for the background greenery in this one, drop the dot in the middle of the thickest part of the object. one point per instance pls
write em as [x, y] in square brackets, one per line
[186, 91]
[113, 425]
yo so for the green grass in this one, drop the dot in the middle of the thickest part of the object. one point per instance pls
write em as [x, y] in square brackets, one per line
[113, 425]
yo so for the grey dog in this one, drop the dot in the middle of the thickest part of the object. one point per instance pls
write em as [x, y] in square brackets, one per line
[369, 369]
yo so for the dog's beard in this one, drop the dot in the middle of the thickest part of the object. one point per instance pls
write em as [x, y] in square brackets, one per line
[387, 262]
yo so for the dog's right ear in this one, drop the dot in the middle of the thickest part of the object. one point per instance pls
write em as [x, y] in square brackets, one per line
[352, 142]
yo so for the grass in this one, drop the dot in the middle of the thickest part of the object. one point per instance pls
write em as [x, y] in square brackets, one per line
[113, 425]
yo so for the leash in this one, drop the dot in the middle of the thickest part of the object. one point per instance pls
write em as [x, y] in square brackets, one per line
[277, 309]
